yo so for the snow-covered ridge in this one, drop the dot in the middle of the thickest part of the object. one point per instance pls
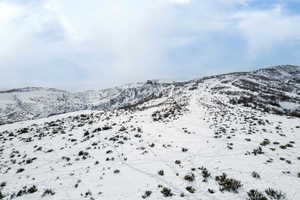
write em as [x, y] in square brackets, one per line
[31, 89]
[35, 102]
[274, 89]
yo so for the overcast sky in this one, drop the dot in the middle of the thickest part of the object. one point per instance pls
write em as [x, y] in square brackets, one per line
[86, 44]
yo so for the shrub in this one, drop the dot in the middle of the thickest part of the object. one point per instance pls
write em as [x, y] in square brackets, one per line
[161, 172]
[205, 174]
[184, 149]
[166, 192]
[21, 192]
[255, 175]
[123, 128]
[32, 189]
[256, 195]
[3, 184]
[147, 194]
[1, 195]
[48, 192]
[257, 151]
[86, 134]
[289, 145]
[152, 145]
[26, 190]
[20, 170]
[228, 184]
[177, 162]
[283, 146]
[275, 194]
[190, 189]
[189, 177]
[106, 127]
[211, 191]
[265, 142]
[97, 130]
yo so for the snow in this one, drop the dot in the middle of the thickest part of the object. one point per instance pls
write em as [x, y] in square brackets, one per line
[289, 105]
[117, 153]
[33, 103]
[138, 161]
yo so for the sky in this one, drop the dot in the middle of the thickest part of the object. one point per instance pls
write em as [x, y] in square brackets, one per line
[93, 44]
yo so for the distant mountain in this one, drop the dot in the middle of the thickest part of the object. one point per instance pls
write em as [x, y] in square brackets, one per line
[273, 89]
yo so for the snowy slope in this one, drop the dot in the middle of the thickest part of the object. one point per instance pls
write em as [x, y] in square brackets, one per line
[177, 145]
[274, 89]
[33, 103]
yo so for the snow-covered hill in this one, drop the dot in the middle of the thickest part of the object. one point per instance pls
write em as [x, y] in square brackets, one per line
[231, 136]
[274, 89]
[33, 103]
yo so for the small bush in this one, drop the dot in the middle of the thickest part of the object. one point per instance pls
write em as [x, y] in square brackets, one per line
[32, 189]
[275, 194]
[256, 195]
[205, 174]
[282, 146]
[265, 142]
[26, 190]
[255, 175]
[161, 172]
[147, 194]
[177, 162]
[166, 192]
[211, 191]
[257, 151]
[190, 189]
[184, 149]
[21, 192]
[1, 195]
[228, 184]
[3, 184]
[152, 145]
[122, 128]
[289, 145]
[189, 177]
[48, 192]
[20, 170]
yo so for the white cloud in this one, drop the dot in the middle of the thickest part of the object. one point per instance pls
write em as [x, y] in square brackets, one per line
[180, 1]
[94, 43]
[9, 12]
[264, 29]
[124, 37]
[108, 37]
